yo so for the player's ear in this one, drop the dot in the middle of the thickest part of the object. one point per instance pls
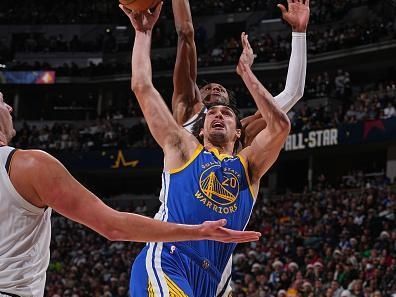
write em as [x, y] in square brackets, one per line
[238, 133]
[201, 133]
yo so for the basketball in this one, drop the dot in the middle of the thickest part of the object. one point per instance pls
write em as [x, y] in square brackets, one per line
[138, 5]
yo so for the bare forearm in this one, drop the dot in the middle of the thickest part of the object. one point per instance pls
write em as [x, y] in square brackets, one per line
[265, 146]
[182, 14]
[265, 102]
[141, 63]
[155, 111]
[143, 229]
[185, 72]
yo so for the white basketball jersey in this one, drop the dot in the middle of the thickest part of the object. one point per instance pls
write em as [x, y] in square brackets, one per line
[25, 233]
[191, 122]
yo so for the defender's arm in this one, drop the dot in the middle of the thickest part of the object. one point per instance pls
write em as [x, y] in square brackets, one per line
[186, 99]
[297, 16]
[46, 182]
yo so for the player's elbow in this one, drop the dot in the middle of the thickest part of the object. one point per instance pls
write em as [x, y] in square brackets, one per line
[283, 125]
[140, 87]
[185, 31]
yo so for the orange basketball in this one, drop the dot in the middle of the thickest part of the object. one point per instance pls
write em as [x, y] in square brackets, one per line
[139, 5]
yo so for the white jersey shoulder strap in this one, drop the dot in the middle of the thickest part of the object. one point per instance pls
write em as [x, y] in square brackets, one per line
[6, 153]
[191, 122]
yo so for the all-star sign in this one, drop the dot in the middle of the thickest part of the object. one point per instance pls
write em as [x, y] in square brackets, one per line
[311, 139]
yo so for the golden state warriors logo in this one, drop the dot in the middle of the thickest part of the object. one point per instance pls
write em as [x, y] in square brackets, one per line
[219, 188]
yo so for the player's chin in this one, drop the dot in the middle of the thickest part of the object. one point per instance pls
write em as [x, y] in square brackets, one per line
[213, 99]
[219, 135]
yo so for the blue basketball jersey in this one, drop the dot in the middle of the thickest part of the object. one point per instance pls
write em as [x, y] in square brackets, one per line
[210, 186]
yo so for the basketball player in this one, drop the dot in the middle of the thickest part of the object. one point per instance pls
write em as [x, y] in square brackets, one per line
[188, 101]
[32, 183]
[199, 181]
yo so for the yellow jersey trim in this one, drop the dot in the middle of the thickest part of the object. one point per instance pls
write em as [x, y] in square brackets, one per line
[219, 156]
[197, 151]
[174, 290]
[150, 290]
[245, 167]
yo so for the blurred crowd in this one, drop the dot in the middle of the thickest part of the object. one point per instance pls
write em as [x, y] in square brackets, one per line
[105, 12]
[375, 102]
[101, 134]
[266, 47]
[271, 49]
[334, 242]
[330, 242]
[372, 102]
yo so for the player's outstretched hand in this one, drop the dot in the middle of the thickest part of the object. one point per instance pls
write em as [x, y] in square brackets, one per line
[214, 230]
[247, 57]
[297, 14]
[145, 20]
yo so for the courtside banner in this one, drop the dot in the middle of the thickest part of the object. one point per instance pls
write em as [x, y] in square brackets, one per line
[27, 77]
[112, 160]
[369, 131]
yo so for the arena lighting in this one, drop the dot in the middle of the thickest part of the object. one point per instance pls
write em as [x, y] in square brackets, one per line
[121, 27]
[27, 77]
[3, 66]
[271, 21]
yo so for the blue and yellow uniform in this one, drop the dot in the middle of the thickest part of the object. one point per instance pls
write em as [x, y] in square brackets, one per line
[208, 187]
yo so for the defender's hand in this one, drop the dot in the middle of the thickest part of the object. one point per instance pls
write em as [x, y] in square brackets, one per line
[214, 230]
[247, 57]
[298, 14]
[143, 21]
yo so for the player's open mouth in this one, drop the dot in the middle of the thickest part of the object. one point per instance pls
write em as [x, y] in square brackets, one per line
[217, 125]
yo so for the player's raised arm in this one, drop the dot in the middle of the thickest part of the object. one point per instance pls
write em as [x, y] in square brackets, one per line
[265, 148]
[186, 99]
[297, 16]
[159, 119]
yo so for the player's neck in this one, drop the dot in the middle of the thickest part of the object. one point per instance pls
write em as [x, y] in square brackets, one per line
[221, 149]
